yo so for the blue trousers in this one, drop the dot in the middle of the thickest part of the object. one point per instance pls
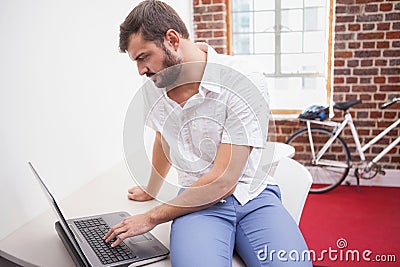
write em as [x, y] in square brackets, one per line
[262, 232]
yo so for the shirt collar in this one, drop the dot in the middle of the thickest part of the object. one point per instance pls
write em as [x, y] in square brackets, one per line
[211, 78]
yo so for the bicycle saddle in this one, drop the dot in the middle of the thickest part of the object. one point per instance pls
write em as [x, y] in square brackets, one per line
[315, 112]
[346, 105]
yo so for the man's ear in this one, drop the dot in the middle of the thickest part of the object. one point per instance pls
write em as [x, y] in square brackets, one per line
[173, 39]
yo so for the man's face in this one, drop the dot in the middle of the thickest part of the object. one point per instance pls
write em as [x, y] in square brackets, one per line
[154, 61]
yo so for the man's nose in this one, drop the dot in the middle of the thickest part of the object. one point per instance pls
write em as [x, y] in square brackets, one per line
[142, 69]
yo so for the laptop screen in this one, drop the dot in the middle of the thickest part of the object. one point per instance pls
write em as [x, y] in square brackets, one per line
[60, 216]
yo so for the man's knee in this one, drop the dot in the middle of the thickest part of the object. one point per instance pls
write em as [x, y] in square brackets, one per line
[201, 241]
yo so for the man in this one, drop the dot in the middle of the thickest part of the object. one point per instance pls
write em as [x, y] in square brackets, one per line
[211, 125]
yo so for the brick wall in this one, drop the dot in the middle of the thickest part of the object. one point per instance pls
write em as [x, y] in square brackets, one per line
[366, 65]
[209, 20]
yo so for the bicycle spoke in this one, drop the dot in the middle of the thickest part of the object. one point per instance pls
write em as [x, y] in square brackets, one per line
[333, 166]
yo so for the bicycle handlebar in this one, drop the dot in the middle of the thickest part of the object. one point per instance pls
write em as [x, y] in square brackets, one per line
[391, 102]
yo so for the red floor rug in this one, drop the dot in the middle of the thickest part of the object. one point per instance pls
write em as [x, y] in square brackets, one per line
[349, 228]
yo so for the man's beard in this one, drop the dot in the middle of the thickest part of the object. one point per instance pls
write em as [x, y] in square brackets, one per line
[172, 69]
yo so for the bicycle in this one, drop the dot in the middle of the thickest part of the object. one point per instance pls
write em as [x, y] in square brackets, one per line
[327, 156]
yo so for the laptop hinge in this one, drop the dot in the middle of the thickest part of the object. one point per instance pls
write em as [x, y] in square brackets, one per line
[70, 248]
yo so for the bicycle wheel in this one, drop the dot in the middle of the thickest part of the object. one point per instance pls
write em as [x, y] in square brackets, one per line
[333, 166]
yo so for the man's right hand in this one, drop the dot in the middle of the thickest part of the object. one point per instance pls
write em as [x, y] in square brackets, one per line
[136, 193]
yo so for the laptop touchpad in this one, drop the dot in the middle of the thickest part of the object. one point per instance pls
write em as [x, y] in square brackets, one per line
[137, 239]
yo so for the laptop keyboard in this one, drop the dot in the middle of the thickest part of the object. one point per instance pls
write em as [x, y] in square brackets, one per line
[94, 229]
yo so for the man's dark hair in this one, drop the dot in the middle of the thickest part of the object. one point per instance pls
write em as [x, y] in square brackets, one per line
[152, 19]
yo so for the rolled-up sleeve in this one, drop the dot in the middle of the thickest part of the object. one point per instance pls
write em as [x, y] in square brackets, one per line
[247, 114]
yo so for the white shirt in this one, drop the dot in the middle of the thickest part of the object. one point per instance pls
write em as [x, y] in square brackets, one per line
[230, 107]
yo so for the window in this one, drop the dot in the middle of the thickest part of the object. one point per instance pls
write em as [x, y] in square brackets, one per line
[287, 40]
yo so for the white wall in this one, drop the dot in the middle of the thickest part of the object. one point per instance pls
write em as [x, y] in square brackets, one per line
[64, 90]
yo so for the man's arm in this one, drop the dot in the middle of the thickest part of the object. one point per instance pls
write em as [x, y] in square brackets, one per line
[208, 190]
[160, 168]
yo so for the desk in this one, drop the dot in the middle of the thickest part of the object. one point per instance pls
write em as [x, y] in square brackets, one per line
[280, 150]
[37, 243]
[274, 151]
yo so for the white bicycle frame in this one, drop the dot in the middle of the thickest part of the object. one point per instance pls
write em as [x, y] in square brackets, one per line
[338, 127]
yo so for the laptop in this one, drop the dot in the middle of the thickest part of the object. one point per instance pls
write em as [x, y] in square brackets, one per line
[83, 238]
